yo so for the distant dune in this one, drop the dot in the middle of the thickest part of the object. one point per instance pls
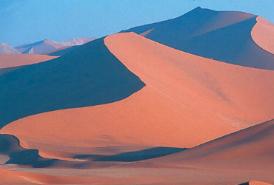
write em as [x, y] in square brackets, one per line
[47, 46]
[221, 35]
[7, 49]
[262, 33]
[7, 61]
[183, 94]
[40, 47]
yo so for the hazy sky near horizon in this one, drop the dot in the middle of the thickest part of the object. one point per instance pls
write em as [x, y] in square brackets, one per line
[25, 21]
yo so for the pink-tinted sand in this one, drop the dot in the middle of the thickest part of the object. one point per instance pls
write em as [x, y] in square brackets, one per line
[263, 34]
[187, 100]
[16, 60]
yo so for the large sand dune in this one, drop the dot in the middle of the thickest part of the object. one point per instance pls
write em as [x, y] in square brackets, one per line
[250, 148]
[221, 35]
[89, 75]
[187, 100]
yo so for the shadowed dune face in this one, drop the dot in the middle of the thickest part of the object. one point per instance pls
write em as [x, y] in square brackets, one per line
[87, 76]
[40, 47]
[47, 46]
[224, 36]
[132, 155]
[262, 33]
[10, 146]
[64, 51]
[184, 94]
[8, 61]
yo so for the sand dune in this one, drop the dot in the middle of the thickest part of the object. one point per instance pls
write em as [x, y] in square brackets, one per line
[187, 100]
[263, 34]
[221, 35]
[41, 47]
[240, 156]
[7, 49]
[15, 60]
[8, 177]
[250, 148]
[89, 75]
[47, 46]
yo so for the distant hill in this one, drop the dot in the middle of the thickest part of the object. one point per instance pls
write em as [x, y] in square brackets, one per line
[47, 46]
[7, 49]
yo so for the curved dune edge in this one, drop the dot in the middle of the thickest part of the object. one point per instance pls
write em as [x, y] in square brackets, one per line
[221, 35]
[16, 60]
[262, 33]
[255, 182]
[89, 75]
[187, 100]
[247, 149]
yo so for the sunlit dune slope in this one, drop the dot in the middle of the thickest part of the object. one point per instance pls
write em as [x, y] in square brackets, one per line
[263, 34]
[250, 148]
[15, 60]
[187, 100]
[221, 35]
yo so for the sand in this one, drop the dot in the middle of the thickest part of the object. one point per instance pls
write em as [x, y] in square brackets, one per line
[183, 94]
[16, 60]
[262, 33]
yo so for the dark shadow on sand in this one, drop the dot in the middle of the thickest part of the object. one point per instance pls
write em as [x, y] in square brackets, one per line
[134, 155]
[88, 75]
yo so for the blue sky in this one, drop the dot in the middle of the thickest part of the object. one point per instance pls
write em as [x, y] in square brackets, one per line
[24, 21]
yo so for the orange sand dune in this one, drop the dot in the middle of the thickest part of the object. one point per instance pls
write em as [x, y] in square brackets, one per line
[16, 60]
[248, 151]
[221, 35]
[187, 100]
[250, 148]
[263, 34]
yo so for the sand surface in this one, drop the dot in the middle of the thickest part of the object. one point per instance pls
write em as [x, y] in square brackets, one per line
[183, 94]
[15, 60]
[263, 34]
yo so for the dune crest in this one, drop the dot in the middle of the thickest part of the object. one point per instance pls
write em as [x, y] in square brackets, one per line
[247, 149]
[184, 94]
[221, 35]
[263, 34]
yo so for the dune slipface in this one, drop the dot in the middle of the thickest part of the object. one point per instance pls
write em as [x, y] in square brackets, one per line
[184, 94]
[221, 35]
[90, 75]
